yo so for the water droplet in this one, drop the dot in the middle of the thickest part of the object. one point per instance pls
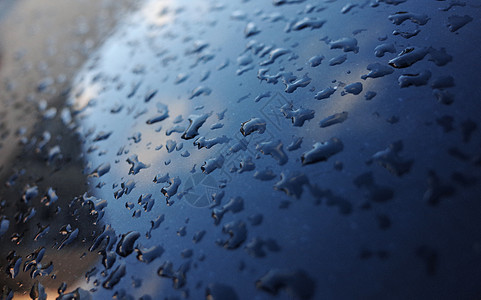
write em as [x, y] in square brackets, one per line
[419, 79]
[213, 163]
[325, 93]
[376, 193]
[70, 238]
[322, 151]
[253, 125]
[391, 160]
[202, 142]
[38, 292]
[408, 57]
[172, 188]
[136, 164]
[298, 116]
[296, 283]
[308, 22]
[347, 44]
[101, 170]
[251, 29]
[196, 121]
[200, 90]
[234, 205]
[406, 34]
[436, 189]
[148, 255]
[334, 119]
[369, 95]
[381, 49]
[399, 18]
[274, 149]
[115, 277]
[273, 55]
[444, 97]
[4, 225]
[338, 60]
[455, 22]
[315, 61]
[218, 291]
[238, 233]
[377, 70]
[255, 247]
[101, 136]
[353, 88]
[292, 183]
[126, 244]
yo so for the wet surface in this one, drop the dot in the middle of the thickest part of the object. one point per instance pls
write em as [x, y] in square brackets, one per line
[202, 149]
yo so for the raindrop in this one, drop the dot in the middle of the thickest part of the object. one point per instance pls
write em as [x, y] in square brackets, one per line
[253, 125]
[322, 151]
[126, 244]
[455, 22]
[353, 88]
[115, 277]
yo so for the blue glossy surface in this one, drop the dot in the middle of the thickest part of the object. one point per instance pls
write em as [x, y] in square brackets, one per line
[289, 149]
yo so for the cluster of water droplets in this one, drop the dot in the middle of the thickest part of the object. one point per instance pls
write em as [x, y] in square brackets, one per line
[193, 131]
